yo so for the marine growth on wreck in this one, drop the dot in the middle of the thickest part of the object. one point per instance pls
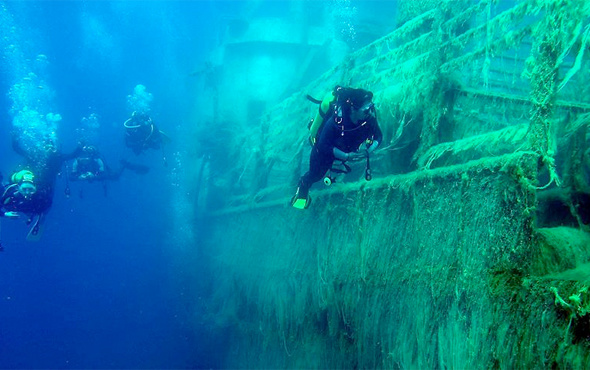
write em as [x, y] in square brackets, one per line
[469, 248]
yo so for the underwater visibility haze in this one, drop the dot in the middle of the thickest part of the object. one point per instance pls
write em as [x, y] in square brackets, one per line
[112, 283]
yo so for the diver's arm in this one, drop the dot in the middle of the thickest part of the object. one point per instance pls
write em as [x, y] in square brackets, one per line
[100, 165]
[72, 155]
[16, 146]
[9, 214]
[6, 199]
[339, 154]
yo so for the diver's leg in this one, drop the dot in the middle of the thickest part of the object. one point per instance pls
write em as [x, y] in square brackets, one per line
[319, 164]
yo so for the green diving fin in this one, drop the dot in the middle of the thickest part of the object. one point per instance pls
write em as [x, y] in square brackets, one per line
[300, 202]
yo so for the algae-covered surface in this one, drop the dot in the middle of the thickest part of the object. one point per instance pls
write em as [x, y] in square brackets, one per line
[470, 248]
[441, 268]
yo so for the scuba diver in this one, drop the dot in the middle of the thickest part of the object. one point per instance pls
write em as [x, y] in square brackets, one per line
[345, 129]
[141, 133]
[17, 195]
[91, 166]
[21, 197]
[16, 198]
[39, 172]
[88, 166]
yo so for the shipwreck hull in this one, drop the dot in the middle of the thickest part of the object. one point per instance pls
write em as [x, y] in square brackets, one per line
[434, 269]
[454, 255]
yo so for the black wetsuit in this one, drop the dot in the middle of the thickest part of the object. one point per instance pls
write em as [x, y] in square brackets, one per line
[85, 165]
[144, 136]
[45, 168]
[346, 136]
[13, 201]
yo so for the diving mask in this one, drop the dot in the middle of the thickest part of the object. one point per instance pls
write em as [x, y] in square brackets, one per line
[367, 109]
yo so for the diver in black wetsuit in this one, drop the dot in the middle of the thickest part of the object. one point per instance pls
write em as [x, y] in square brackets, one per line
[31, 189]
[88, 166]
[350, 133]
[44, 166]
[91, 166]
[141, 133]
[18, 196]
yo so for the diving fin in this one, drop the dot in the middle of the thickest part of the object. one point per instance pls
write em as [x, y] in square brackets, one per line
[37, 229]
[300, 202]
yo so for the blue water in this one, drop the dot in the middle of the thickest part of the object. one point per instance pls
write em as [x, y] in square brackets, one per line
[108, 285]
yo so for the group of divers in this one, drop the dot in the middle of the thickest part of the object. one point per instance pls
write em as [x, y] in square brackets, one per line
[28, 192]
[345, 129]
